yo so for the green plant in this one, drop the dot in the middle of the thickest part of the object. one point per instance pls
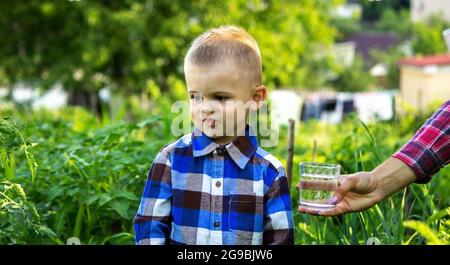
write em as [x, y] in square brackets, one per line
[91, 174]
[19, 220]
[11, 139]
[427, 229]
[361, 147]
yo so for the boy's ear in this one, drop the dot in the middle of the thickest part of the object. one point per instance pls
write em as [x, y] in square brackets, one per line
[260, 94]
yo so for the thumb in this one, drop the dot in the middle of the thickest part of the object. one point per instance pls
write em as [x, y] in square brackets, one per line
[347, 184]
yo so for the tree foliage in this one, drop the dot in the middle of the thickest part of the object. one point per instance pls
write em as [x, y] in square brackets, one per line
[127, 45]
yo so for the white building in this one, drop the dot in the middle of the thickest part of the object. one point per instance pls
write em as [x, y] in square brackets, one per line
[344, 53]
[284, 105]
[422, 9]
[53, 98]
[424, 80]
[348, 10]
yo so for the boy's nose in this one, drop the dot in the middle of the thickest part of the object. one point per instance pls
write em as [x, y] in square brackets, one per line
[207, 107]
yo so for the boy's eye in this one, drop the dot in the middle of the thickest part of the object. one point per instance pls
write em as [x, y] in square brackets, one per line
[196, 97]
[221, 98]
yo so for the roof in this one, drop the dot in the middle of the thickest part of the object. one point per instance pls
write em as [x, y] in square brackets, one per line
[441, 59]
[367, 41]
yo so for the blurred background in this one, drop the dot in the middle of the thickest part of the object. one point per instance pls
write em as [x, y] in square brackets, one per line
[86, 89]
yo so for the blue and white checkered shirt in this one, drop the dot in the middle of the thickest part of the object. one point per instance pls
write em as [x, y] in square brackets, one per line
[198, 192]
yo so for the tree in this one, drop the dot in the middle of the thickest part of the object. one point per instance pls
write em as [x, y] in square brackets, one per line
[428, 38]
[373, 10]
[391, 58]
[354, 78]
[126, 45]
[397, 21]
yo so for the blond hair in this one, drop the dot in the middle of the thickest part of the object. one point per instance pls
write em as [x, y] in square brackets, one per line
[230, 44]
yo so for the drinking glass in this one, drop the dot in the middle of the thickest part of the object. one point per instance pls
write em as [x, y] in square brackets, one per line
[318, 181]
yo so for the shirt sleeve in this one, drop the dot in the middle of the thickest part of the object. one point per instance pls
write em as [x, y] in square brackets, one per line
[278, 223]
[429, 149]
[153, 219]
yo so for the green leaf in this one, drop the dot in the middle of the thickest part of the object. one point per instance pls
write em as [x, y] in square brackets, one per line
[117, 167]
[54, 192]
[121, 207]
[127, 160]
[425, 231]
[121, 236]
[104, 198]
[78, 221]
[148, 121]
[127, 195]
[60, 218]
[20, 192]
[438, 215]
[73, 191]
[91, 199]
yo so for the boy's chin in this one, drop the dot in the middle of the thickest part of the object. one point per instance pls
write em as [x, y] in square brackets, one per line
[215, 132]
[216, 135]
[212, 133]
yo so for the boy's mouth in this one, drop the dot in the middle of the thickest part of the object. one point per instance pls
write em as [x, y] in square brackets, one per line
[209, 122]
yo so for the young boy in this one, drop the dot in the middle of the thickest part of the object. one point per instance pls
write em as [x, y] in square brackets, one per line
[216, 185]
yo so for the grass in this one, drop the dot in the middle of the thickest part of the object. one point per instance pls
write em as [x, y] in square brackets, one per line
[64, 174]
[356, 146]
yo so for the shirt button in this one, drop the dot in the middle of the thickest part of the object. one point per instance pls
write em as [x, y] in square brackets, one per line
[216, 224]
[221, 150]
[218, 184]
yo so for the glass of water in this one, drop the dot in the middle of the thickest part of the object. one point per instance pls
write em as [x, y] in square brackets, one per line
[318, 181]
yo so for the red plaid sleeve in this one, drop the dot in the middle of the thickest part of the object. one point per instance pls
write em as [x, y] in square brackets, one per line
[429, 149]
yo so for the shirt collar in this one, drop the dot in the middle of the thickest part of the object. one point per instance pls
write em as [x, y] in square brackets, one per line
[240, 149]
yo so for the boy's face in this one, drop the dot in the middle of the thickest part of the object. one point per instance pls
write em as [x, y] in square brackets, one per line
[218, 96]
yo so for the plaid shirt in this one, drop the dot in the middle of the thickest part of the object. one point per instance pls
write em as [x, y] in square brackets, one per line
[198, 192]
[429, 149]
